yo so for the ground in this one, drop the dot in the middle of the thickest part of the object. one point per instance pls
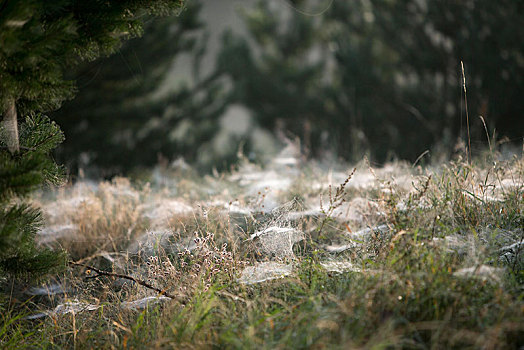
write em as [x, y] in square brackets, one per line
[291, 254]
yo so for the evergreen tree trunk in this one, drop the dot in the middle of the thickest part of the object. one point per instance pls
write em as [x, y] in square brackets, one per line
[10, 126]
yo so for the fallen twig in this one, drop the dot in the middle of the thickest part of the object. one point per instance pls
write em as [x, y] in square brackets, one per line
[127, 277]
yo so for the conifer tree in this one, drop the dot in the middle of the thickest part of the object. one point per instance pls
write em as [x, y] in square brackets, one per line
[382, 77]
[282, 85]
[39, 40]
[21, 173]
[118, 121]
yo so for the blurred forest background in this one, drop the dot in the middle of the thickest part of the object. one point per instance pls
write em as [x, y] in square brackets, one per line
[347, 78]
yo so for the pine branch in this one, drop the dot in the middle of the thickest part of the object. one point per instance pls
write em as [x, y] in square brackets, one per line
[42, 142]
[127, 277]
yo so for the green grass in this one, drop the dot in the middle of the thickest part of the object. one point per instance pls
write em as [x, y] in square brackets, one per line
[411, 290]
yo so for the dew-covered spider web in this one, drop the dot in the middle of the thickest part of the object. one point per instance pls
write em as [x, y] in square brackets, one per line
[276, 232]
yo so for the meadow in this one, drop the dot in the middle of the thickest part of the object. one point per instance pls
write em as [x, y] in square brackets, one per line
[292, 254]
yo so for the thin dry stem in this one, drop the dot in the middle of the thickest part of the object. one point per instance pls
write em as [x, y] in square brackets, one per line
[118, 275]
[466, 106]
